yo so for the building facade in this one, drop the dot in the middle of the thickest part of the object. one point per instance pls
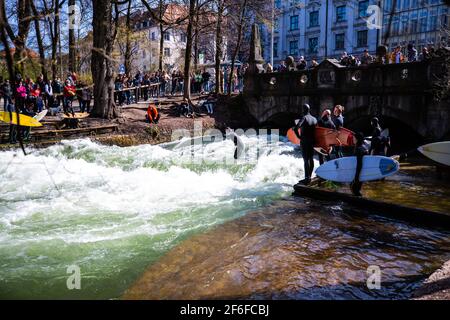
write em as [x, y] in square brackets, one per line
[420, 22]
[318, 29]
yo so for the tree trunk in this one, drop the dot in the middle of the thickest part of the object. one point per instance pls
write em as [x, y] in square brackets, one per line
[127, 55]
[102, 62]
[238, 45]
[72, 46]
[161, 46]
[55, 39]
[10, 66]
[219, 53]
[24, 17]
[37, 29]
[196, 40]
[188, 53]
[161, 35]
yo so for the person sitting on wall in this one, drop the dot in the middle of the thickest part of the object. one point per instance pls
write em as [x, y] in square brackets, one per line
[184, 109]
[301, 64]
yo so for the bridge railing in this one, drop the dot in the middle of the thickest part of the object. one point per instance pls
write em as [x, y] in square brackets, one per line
[402, 77]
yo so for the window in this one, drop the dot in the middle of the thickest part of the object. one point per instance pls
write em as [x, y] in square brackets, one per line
[166, 36]
[294, 23]
[314, 19]
[167, 52]
[413, 23]
[153, 36]
[183, 37]
[340, 13]
[433, 20]
[388, 6]
[313, 44]
[395, 24]
[406, 4]
[361, 40]
[340, 41]
[404, 24]
[144, 24]
[143, 54]
[423, 21]
[275, 49]
[443, 21]
[362, 8]
[293, 48]
[277, 3]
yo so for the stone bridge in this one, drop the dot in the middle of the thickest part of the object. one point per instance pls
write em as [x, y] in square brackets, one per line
[412, 94]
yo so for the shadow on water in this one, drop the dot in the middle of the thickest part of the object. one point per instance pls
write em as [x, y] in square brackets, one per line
[296, 249]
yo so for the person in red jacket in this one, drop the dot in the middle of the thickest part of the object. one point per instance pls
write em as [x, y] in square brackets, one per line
[152, 115]
[69, 93]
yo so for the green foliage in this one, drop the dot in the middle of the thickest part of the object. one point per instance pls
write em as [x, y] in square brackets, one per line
[32, 69]
[153, 131]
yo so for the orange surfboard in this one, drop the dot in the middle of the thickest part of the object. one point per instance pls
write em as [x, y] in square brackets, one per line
[325, 138]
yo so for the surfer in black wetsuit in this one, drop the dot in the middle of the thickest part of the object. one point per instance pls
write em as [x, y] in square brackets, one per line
[307, 125]
[325, 122]
[378, 142]
[360, 152]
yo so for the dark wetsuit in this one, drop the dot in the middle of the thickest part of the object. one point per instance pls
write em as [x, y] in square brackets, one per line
[360, 152]
[307, 125]
[325, 122]
[377, 147]
[339, 123]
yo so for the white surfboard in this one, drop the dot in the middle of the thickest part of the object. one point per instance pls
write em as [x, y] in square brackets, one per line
[41, 115]
[344, 169]
[438, 151]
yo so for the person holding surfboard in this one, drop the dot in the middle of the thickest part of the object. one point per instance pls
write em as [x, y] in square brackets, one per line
[378, 142]
[360, 152]
[307, 125]
[325, 122]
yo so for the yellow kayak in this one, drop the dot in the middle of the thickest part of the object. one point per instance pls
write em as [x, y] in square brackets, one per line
[25, 121]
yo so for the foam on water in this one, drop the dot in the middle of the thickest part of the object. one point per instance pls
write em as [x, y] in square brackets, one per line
[112, 211]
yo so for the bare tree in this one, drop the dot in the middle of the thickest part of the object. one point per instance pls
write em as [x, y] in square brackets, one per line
[104, 22]
[219, 44]
[52, 19]
[24, 18]
[37, 16]
[242, 5]
[166, 20]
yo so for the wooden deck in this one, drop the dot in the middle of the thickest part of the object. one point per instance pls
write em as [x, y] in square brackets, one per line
[51, 131]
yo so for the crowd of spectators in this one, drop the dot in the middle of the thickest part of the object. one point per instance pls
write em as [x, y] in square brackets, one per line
[398, 55]
[31, 97]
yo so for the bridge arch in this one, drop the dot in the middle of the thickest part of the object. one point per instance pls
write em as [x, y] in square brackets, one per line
[405, 136]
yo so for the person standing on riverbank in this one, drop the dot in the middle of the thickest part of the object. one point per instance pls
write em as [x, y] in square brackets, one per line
[325, 122]
[360, 152]
[307, 125]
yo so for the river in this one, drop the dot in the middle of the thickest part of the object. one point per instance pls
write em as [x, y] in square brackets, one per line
[113, 212]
